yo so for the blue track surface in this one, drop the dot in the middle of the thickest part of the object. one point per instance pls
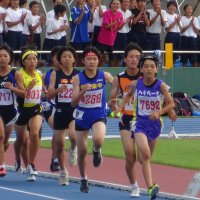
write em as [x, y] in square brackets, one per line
[14, 186]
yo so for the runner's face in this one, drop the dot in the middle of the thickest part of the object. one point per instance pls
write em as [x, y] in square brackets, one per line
[67, 59]
[132, 58]
[91, 62]
[30, 62]
[149, 69]
[4, 58]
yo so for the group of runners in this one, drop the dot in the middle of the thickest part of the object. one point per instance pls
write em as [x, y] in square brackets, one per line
[75, 102]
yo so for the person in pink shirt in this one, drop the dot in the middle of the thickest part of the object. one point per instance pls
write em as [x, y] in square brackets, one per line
[112, 22]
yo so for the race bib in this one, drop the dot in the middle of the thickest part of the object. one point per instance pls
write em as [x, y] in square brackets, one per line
[46, 106]
[77, 114]
[65, 96]
[129, 105]
[33, 95]
[6, 97]
[91, 99]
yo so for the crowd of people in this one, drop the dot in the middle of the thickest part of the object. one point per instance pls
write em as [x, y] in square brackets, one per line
[73, 102]
[107, 28]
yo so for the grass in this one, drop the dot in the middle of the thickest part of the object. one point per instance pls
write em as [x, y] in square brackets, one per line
[183, 153]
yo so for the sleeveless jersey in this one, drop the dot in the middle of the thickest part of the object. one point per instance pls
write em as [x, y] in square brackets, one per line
[64, 98]
[6, 95]
[125, 80]
[95, 98]
[33, 96]
[148, 98]
[47, 77]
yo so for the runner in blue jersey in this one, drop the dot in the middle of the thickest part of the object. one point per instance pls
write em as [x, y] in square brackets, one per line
[10, 84]
[89, 98]
[61, 88]
[48, 106]
[149, 94]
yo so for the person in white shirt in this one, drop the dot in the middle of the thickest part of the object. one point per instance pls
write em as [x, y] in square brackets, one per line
[3, 5]
[173, 27]
[97, 20]
[198, 36]
[158, 20]
[54, 29]
[37, 24]
[51, 13]
[122, 34]
[189, 35]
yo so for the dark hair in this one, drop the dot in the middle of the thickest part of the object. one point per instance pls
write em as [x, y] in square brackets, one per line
[32, 3]
[172, 2]
[24, 50]
[22, 2]
[91, 49]
[54, 52]
[185, 6]
[132, 46]
[149, 57]
[60, 8]
[9, 51]
[140, 0]
[66, 48]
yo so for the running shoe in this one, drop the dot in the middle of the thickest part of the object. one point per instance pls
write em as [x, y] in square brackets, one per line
[64, 177]
[54, 166]
[97, 158]
[84, 186]
[30, 177]
[2, 172]
[18, 167]
[153, 191]
[31, 169]
[135, 192]
[73, 157]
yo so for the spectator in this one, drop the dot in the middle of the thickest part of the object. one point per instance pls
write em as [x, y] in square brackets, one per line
[81, 15]
[3, 6]
[133, 4]
[14, 21]
[158, 20]
[97, 20]
[112, 22]
[37, 24]
[189, 35]
[54, 30]
[173, 28]
[139, 23]
[198, 36]
[122, 34]
[26, 34]
[51, 13]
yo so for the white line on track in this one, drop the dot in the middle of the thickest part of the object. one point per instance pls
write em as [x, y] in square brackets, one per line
[30, 193]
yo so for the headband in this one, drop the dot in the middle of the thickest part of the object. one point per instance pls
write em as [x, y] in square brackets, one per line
[90, 54]
[27, 53]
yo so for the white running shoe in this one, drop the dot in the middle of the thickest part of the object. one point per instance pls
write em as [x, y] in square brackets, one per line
[135, 192]
[31, 178]
[64, 177]
[73, 157]
[32, 170]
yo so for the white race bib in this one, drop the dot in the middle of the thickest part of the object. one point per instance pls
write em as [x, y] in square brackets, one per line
[129, 105]
[33, 95]
[6, 97]
[65, 96]
[77, 114]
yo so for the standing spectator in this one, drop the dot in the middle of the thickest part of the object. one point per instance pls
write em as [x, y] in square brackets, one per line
[173, 27]
[51, 13]
[89, 98]
[198, 36]
[54, 30]
[112, 22]
[37, 24]
[26, 34]
[158, 20]
[133, 4]
[14, 21]
[189, 35]
[81, 15]
[122, 34]
[97, 20]
[139, 23]
[3, 6]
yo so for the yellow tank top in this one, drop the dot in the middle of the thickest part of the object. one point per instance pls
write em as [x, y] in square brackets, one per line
[33, 96]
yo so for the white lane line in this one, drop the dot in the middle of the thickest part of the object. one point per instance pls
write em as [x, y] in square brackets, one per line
[30, 193]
